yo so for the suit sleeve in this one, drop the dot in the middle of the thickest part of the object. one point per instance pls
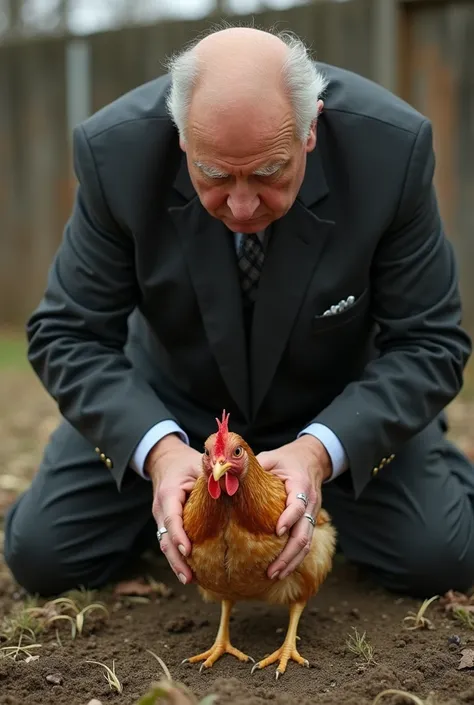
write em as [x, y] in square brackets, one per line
[423, 349]
[77, 333]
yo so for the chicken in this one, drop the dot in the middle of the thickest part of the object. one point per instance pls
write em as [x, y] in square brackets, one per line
[230, 517]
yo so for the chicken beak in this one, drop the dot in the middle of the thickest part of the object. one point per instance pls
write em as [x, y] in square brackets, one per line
[219, 469]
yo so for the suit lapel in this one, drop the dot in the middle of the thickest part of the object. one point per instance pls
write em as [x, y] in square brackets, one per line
[211, 259]
[294, 250]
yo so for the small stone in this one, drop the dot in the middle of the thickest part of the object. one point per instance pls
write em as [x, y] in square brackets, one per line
[178, 626]
[314, 611]
[355, 613]
[454, 639]
[279, 630]
[331, 610]
[401, 644]
[94, 701]
[55, 678]
[183, 598]
[384, 616]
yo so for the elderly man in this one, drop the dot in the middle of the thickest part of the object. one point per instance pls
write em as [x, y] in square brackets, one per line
[258, 233]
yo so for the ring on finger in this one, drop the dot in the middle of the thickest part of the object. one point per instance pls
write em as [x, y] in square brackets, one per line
[160, 532]
[310, 519]
[303, 497]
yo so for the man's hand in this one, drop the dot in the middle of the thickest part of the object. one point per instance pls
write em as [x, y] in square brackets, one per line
[303, 465]
[173, 468]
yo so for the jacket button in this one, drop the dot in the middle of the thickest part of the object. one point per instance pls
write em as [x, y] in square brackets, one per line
[97, 450]
[375, 471]
[102, 457]
[109, 463]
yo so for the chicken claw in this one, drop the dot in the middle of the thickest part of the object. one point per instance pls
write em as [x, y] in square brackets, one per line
[215, 652]
[288, 650]
[284, 654]
[222, 643]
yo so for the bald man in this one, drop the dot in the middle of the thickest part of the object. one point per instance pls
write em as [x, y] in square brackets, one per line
[259, 233]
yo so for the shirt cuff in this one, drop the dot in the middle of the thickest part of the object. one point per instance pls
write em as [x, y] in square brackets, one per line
[151, 438]
[333, 446]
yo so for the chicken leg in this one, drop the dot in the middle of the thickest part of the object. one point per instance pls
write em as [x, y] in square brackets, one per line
[222, 643]
[288, 650]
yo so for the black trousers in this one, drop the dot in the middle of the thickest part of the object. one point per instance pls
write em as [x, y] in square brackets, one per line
[412, 529]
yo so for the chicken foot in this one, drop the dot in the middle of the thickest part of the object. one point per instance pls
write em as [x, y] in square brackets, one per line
[288, 650]
[222, 643]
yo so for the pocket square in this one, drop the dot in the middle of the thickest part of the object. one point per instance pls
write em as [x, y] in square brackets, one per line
[340, 307]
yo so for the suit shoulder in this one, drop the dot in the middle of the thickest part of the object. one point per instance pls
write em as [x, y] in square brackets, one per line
[354, 95]
[145, 102]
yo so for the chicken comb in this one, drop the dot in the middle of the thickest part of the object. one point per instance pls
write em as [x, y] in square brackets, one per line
[221, 436]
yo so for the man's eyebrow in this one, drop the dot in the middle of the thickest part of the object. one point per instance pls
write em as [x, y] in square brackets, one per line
[216, 173]
[211, 171]
[269, 169]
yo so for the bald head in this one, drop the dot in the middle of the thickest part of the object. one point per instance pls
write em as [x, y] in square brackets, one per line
[249, 57]
[245, 69]
[240, 84]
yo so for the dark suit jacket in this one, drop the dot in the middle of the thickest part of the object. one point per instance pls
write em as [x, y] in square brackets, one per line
[141, 320]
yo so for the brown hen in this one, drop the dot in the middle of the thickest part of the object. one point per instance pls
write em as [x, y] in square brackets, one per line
[230, 518]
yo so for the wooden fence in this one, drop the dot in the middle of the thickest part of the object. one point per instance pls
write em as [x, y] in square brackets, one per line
[36, 180]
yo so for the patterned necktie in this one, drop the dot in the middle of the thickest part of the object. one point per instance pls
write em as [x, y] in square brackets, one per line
[250, 264]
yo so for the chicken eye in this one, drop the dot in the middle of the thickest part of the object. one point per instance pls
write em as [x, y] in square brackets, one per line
[206, 451]
[238, 452]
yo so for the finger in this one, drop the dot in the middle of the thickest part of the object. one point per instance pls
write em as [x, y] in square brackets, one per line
[295, 508]
[174, 557]
[295, 550]
[267, 459]
[176, 561]
[171, 508]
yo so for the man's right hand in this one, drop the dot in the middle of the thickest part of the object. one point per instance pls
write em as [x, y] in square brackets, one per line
[173, 468]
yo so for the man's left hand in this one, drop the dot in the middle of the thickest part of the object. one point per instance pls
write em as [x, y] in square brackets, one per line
[303, 465]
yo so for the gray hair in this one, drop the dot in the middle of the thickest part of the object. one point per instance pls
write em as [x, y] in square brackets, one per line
[303, 81]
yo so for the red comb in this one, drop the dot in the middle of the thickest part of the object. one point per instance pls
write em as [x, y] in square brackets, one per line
[221, 437]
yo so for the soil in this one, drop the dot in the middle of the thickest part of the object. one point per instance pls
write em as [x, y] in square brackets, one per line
[178, 625]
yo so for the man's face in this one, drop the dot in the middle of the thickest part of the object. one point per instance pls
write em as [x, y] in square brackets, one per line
[246, 168]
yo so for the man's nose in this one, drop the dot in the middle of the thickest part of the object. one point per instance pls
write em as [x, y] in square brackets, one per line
[243, 204]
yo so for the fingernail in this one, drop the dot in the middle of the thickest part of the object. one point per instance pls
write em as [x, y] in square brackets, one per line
[275, 575]
[282, 531]
[182, 578]
[181, 549]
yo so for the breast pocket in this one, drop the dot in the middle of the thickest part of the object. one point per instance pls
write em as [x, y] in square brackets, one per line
[323, 323]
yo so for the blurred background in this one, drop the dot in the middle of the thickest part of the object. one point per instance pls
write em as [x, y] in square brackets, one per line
[61, 60]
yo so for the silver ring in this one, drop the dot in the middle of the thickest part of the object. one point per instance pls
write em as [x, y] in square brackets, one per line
[302, 496]
[160, 532]
[311, 519]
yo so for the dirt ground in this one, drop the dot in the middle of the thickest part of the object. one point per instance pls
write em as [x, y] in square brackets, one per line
[173, 622]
